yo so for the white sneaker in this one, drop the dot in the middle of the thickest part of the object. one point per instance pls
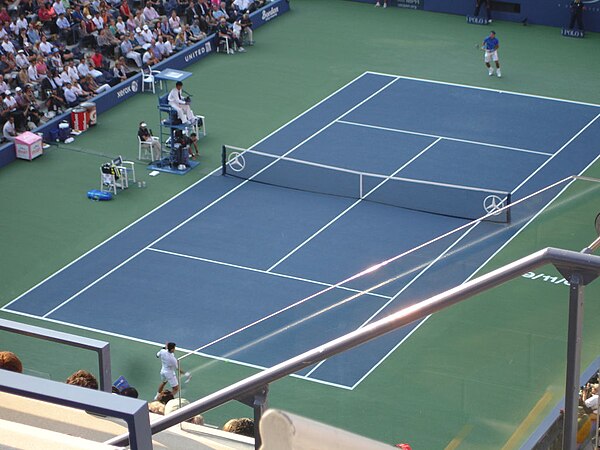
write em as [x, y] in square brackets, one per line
[241, 50]
[499, 73]
[377, 5]
[491, 72]
[385, 5]
[231, 52]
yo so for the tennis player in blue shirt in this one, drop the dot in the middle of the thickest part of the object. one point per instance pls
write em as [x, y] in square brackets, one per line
[491, 45]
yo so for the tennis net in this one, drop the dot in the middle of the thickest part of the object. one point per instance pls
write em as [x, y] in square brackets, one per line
[427, 196]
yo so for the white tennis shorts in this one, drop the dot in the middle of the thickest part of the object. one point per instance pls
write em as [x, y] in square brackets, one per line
[491, 56]
[169, 377]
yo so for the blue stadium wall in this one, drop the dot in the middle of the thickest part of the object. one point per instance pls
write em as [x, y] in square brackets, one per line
[132, 86]
[554, 13]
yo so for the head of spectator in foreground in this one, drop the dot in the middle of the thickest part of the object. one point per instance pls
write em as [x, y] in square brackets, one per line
[83, 378]
[156, 407]
[11, 362]
[165, 396]
[129, 392]
[243, 426]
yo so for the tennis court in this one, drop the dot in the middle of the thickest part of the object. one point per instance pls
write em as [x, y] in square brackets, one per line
[256, 272]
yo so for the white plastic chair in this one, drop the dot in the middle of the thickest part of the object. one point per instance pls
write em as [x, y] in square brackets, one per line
[145, 149]
[148, 79]
[116, 175]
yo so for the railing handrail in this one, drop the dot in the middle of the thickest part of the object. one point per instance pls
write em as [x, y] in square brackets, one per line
[562, 259]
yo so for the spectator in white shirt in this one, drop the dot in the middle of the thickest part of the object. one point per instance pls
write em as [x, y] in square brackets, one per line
[70, 95]
[21, 59]
[45, 46]
[33, 74]
[8, 131]
[59, 8]
[147, 35]
[242, 5]
[121, 26]
[72, 71]
[98, 21]
[20, 24]
[8, 46]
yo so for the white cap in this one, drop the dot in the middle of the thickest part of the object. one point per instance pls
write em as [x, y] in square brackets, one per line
[18, 89]
[138, 30]
[88, 17]
[145, 27]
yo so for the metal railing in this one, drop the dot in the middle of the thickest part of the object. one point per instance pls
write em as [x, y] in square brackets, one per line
[102, 348]
[133, 411]
[579, 268]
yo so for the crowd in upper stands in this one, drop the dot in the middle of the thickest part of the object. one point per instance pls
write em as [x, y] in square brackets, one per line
[56, 54]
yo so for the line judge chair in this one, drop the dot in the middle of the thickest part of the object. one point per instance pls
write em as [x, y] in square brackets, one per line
[145, 149]
[116, 174]
[148, 80]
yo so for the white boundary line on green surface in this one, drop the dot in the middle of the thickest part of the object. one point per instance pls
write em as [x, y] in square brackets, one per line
[181, 349]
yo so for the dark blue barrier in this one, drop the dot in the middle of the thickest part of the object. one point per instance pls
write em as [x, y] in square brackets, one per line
[132, 86]
[554, 13]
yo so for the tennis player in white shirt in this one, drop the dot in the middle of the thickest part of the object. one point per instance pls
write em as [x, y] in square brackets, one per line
[168, 370]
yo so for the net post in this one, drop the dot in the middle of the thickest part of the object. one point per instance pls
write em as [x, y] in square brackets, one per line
[223, 160]
[508, 207]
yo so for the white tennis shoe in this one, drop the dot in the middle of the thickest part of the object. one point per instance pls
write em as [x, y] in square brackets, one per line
[491, 71]
[499, 73]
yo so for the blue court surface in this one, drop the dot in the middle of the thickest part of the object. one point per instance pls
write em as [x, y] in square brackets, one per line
[234, 266]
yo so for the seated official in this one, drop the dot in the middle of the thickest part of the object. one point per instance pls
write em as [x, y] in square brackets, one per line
[145, 135]
[181, 104]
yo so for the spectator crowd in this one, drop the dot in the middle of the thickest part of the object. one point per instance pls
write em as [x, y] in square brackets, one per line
[54, 55]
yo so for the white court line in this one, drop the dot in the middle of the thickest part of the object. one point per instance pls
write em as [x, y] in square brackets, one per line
[181, 349]
[556, 153]
[357, 202]
[521, 229]
[218, 169]
[407, 285]
[214, 202]
[252, 269]
[446, 138]
[479, 88]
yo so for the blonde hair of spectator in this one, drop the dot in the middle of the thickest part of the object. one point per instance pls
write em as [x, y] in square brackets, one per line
[10, 361]
[156, 407]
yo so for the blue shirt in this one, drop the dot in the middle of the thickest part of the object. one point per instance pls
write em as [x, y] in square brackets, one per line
[490, 43]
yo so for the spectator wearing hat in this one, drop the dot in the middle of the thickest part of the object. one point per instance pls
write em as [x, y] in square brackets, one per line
[22, 60]
[147, 34]
[145, 135]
